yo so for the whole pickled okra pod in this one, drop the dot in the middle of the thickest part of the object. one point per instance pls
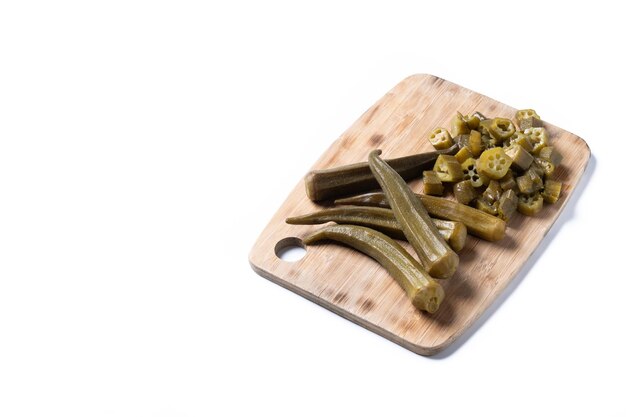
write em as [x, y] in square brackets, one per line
[325, 184]
[381, 219]
[424, 292]
[478, 223]
[438, 258]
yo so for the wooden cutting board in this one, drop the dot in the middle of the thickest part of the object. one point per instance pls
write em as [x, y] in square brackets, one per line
[355, 286]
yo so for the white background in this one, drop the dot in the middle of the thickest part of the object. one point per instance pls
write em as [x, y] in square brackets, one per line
[144, 145]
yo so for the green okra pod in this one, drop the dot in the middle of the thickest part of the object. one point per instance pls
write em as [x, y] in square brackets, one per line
[423, 291]
[438, 258]
[478, 223]
[381, 219]
[325, 184]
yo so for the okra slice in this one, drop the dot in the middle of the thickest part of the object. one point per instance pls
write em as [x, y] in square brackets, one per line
[423, 291]
[538, 137]
[463, 154]
[432, 183]
[440, 138]
[549, 153]
[536, 177]
[551, 191]
[483, 127]
[507, 205]
[525, 114]
[530, 205]
[529, 122]
[448, 168]
[494, 163]
[492, 192]
[485, 206]
[525, 184]
[479, 115]
[487, 142]
[472, 121]
[458, 125]
[508, 181]
[464, 191]
[470, 172]
[501, 128]
[547, 167]
[462, 140]
[522, 140]
[475, 143]
[535, 168]
[520, 158]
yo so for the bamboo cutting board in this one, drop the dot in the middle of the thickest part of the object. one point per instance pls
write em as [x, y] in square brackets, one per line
[355, 286]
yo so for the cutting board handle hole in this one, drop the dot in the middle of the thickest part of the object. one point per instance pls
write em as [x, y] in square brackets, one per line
[290, 249]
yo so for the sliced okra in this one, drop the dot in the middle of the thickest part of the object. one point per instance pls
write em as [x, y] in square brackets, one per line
[448, 168]
[470, 172]
[463, 154]
[549, 153]
[475, 143]
[492, 192]
[551, 191]
[472, 121]
[525, 184]
[479, 115]
[547, 167]
[538, 137]
[525, 114]
[507, 205]
[487, 142]
[529, 122]
[536, 178]
[432, 183]
[458, 125]
[501, 129]
[483, 127]
[440, 138]
[521, 139]
[520, 158]
[508, 181]
[462, 140]
[536, 168]
[464, 192]
[494, 163]
[530, 205]
[483, 205]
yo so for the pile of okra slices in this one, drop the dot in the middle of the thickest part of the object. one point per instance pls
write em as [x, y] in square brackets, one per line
[495, 167]
[499, 168]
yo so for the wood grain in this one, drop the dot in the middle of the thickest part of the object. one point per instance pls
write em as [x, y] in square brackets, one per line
[355, 286]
